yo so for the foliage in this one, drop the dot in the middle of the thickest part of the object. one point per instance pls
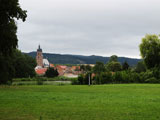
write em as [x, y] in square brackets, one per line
[19, 66]
[83, 79]
[7, 71]
[24, 65]
[125, 66]
[103, 78]
[113, 58]
[150, 49]
[9, 11]
[85, 68]
[113, 66]
[99, 67]
[140, 67]
[51, 72]
[75, 81]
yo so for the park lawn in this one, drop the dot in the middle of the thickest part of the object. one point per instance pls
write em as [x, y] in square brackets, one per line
[76, 102]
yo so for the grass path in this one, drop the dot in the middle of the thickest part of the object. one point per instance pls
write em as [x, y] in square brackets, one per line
[100, 102]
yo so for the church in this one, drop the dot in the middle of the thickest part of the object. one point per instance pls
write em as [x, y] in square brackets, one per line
[41, 62]
[43, 65]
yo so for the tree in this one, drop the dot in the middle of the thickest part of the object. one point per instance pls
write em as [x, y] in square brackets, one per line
[113, 58]
[125, 66]
[150, 50]
[114, 66]
[51, 72]
[140, 67]
[9, 11]
[24, 65]
[99, 67]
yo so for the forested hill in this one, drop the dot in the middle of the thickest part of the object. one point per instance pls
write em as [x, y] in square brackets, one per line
[80, 59]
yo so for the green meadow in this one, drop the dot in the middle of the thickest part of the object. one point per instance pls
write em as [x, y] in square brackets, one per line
[76, 102]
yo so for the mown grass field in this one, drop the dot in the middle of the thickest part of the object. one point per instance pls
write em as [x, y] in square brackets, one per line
[71, 102]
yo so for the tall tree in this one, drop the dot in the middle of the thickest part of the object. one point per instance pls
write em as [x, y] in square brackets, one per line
[9, 11]
[125, 66]
[140, 67]
[113, 58]
[99, 67]
[150, 50]
[114, 66]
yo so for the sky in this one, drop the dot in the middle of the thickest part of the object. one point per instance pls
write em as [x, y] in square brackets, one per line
[88, 27]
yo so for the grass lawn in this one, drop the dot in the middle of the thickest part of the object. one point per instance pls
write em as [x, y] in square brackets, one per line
[69, 102]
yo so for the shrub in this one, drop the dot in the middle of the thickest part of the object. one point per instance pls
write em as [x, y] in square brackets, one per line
[105, 77]
[80, 79]
[75, 81]
[51, 72]
[117, 77]
[152, 80]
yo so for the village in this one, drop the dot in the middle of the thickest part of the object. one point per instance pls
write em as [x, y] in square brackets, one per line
[43, 64]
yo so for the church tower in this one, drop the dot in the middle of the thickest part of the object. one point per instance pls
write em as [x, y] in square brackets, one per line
[39, 57]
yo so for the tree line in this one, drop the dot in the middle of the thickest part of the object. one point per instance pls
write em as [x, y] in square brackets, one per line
[146, 71]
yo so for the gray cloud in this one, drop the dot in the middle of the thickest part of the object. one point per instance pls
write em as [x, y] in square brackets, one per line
[100, 27]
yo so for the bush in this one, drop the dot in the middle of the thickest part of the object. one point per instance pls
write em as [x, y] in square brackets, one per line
[117, 77]
[51, 73]
[105, 78]
[152, 80]
[75, 81]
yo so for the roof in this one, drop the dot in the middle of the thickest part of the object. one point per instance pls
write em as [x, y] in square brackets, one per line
[61, 67]
[51, 65]
[41, 71]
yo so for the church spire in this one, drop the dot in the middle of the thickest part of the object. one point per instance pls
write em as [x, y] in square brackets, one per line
[39, 48]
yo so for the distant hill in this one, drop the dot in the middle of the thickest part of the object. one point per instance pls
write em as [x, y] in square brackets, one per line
[80, 59]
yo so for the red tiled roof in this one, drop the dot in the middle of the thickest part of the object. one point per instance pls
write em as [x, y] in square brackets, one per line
[41, 71]
[51, 65]
[61, 67]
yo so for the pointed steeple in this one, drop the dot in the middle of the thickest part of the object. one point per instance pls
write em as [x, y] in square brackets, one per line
[39, 48]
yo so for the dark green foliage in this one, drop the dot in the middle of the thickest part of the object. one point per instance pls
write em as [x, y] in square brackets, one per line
[125, 66]
[117, 77]
[24, 65]
[114, 66]
[113, 58]
[75, 81]
[103, 78]
[88, 68]
[99, 67]
[150, 49]
[7, 71]
[9, 11]
[85, 68]
[140, 67]
[17, 66]
[152, 80]
[51, 72]
[83, 79]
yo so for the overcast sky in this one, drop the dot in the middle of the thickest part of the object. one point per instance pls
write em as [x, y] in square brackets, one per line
[88, 27]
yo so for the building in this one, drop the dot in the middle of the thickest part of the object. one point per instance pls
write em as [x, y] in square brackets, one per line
[39, 57]
[43, 65]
